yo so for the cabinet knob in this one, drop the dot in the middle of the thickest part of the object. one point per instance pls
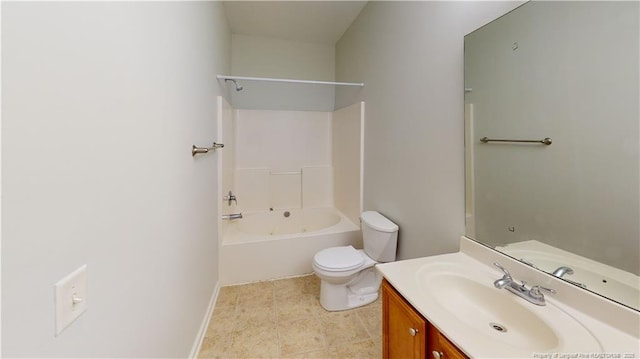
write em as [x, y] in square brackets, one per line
[413, 332]
[437, 355]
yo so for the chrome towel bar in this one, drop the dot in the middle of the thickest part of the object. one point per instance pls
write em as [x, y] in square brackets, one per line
[195, 150]
[546, 141]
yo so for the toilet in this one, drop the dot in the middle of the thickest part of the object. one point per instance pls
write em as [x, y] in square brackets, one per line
[348, 277]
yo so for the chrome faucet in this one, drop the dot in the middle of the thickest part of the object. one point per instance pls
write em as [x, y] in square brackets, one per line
[232, 216]
[533, 295]
[537, 295]
[230, 198]
[561, 271]
[506, 278]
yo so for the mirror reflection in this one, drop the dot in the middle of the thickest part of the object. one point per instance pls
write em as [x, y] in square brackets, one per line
[566, 72]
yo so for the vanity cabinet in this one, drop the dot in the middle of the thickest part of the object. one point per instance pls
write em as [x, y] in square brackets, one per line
[404, 331]
[441, 347]
[406, 334]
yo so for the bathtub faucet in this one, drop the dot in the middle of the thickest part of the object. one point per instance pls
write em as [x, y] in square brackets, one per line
[232, 216]
[230, 198]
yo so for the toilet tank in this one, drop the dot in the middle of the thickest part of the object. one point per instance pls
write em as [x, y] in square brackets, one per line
[380, 236]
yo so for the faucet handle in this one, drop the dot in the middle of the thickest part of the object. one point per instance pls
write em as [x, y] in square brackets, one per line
[506, 272]
[535, 292]
[230, 198]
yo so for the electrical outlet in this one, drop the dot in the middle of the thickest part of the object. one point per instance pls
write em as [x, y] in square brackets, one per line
[71, 298]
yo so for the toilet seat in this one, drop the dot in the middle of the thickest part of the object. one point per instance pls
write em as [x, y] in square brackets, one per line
[339, 259]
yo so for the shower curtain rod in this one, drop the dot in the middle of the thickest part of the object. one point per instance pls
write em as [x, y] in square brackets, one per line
[269, 79]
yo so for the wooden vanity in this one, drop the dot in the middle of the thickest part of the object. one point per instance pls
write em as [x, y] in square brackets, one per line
[406, 334]
[430, 303]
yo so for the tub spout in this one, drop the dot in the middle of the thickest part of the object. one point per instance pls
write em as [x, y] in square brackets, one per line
[232, 216]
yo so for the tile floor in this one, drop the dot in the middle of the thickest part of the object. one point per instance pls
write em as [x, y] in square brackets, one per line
[284, 319]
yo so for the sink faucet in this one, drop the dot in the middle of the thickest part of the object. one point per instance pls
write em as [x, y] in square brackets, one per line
[560, 271]
[537, 295]
[506, 278]
[532, 295]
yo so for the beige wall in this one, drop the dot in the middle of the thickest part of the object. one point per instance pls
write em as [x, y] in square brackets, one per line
[101, 103]
[410, 57]
[271, 57]
[347, 126]
[256, 56]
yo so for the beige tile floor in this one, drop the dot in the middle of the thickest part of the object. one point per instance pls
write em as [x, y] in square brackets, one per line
[284, 319]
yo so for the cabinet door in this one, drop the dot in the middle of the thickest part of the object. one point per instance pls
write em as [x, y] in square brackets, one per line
[404, 330]
[440, 347]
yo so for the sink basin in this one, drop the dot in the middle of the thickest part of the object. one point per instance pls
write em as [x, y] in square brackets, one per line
[490, 312]
[468, 302]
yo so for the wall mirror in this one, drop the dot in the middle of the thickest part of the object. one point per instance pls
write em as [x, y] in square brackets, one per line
[567, 72]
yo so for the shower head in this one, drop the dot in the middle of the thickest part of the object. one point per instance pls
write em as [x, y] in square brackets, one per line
[238, 87]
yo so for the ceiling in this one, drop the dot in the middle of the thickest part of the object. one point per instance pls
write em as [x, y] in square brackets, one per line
[309, 21]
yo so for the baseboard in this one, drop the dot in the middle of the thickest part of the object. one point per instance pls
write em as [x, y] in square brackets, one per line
[197, 344]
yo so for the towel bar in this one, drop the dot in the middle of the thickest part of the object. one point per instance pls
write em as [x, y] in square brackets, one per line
[546, 141]
[195, 150]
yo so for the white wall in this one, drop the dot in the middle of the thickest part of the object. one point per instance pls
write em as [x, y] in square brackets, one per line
[0, 186]
[410, 57]
[256, 56]
[101, 104]
[573, 79]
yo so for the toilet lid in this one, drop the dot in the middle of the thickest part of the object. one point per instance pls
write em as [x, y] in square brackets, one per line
[339, 258]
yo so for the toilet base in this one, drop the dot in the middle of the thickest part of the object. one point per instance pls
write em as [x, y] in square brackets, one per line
[362, 290]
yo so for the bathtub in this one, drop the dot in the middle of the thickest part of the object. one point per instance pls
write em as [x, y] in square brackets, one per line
[281, 243]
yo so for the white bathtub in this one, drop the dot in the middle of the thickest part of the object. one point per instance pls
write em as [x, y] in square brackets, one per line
[268, 245]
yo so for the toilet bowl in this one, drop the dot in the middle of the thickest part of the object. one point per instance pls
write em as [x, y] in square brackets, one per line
[348, 277]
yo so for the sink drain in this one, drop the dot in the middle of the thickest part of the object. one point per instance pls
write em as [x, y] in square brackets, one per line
[498, 327]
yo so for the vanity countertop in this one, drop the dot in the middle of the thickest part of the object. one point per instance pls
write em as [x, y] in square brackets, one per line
[455, 293]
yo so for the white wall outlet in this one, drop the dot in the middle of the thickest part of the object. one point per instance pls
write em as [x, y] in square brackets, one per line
[71, 298]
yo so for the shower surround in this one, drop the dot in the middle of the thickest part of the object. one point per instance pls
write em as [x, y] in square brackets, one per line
[297, 179]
